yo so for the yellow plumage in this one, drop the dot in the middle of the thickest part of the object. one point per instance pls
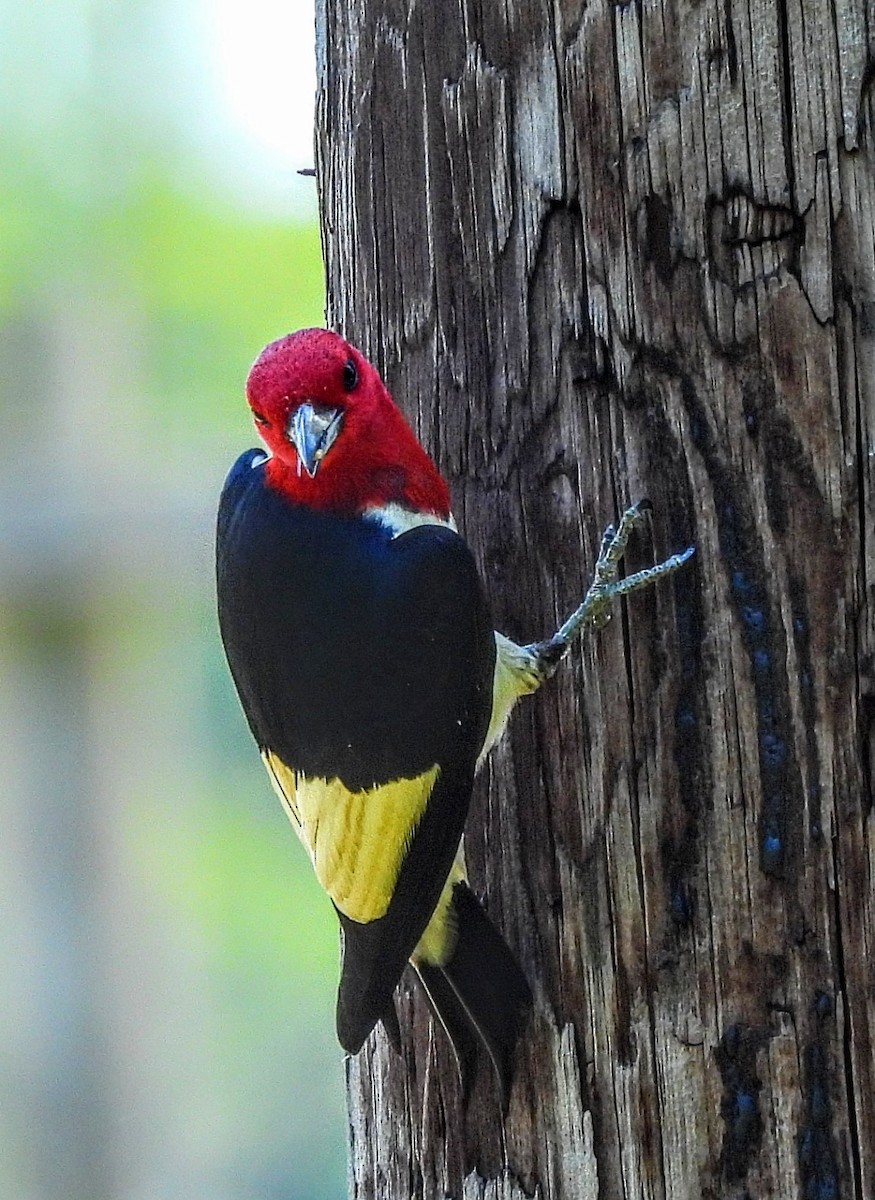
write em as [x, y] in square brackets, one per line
[356, 840]
[438, 941]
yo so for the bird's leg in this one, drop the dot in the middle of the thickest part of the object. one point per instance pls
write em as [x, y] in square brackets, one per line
[595, 609]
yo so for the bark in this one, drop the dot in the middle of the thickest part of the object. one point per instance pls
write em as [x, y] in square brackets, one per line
[605, 250]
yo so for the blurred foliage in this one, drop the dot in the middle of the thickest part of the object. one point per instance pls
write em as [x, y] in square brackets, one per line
[213, 284]
[99, 222]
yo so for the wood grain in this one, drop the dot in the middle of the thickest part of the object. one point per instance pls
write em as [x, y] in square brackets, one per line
[605, 250]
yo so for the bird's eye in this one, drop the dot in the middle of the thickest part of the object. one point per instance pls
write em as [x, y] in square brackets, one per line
[260, 418]
[350, 375]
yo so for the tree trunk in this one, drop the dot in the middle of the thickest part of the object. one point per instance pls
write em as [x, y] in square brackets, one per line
[604, 250]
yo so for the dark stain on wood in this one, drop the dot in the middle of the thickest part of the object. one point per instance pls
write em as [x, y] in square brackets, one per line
[745, 569]
[736, 1058]
[818, 1162]
[657, 239]
[801, 624]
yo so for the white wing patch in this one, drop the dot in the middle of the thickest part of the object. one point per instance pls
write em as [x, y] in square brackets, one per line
[356, 840]
[398, 519]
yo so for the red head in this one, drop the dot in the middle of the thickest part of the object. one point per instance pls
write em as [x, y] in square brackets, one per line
[337, 438]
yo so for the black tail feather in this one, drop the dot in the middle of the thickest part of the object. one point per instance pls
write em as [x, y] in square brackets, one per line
[479, 991]
[451, 1013]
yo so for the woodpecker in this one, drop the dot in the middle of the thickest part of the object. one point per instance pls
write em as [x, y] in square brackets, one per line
[359, 638]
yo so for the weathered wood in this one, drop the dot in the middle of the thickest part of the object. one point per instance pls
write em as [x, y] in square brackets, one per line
[604, 250]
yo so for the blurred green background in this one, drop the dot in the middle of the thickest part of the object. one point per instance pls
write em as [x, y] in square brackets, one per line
[168, 962]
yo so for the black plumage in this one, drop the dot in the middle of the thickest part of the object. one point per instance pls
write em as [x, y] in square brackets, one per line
[367, 658]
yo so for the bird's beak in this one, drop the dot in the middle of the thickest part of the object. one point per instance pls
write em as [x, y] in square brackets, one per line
[312, 430]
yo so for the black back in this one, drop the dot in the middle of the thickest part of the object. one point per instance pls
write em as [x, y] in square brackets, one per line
[356, 655]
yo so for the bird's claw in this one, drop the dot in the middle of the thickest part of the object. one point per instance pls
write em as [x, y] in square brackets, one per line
[595, 609]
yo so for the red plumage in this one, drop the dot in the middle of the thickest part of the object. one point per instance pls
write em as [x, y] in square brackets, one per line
[378, 461]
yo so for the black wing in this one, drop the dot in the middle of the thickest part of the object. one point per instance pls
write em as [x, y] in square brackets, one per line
[366, 659]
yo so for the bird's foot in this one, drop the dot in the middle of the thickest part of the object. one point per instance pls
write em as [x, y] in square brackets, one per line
[595, 609]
